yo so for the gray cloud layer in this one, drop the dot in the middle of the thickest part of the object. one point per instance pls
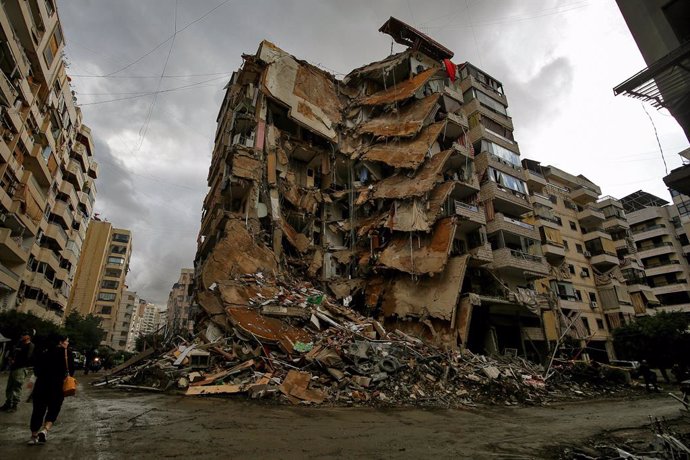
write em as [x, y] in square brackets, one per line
[558, 63]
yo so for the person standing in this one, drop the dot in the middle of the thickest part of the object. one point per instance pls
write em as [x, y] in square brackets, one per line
[20, 366]
[51, 369]
[650, 380]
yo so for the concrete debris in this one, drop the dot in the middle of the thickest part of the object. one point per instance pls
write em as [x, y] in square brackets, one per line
[345, 358]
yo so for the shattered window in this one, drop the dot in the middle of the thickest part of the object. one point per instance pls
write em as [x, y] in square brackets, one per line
[508, 181]
[501, 152]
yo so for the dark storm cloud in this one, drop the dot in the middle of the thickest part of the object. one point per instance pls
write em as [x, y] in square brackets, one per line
[154, 168]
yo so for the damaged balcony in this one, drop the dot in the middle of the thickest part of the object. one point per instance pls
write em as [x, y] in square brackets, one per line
[538, 199]
[504, 199]
[511, 225]
[590, 216]
[481, 255]
[517, 255]
[615, 223]
[552, 245]
[472, 216]
[601, 250]
[519, 263]
[583, 195]
[480, 132]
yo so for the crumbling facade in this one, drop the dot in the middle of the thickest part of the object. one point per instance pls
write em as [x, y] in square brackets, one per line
[47, 169]
[398, 188]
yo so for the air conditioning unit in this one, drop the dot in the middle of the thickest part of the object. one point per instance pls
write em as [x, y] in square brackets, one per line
[587, 254]
[594, 305]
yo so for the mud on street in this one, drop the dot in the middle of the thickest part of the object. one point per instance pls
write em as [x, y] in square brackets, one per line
[113, 424]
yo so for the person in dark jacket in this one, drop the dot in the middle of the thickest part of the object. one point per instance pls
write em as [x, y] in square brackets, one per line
[21, 361]
[51, 369]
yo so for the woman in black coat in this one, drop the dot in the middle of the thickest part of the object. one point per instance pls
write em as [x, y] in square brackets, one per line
[51, 369]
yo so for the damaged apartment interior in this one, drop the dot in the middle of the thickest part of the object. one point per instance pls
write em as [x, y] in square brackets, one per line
[400, 191]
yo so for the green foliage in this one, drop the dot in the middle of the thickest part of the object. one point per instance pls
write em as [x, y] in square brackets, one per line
[84, 333]
[662, 339]
[13, 323]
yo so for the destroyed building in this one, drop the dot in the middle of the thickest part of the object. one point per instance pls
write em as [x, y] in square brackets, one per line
[399, 190]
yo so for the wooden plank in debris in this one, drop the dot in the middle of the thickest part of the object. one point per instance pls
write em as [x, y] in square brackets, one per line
[296, 385]
[278, 310]
[131, 361]
[184, 354]
[219, 375]
[214, 390]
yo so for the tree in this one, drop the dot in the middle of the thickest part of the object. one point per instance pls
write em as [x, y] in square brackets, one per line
[662, 339]
[13, 323]
[85, 332]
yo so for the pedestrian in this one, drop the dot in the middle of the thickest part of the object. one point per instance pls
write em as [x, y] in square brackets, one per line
[52, 368]
[20, 366]
[649, 377]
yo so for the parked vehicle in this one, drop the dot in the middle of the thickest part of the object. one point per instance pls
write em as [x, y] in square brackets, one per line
[631, 366]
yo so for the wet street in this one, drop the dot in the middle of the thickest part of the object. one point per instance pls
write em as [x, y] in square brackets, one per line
[109, 424]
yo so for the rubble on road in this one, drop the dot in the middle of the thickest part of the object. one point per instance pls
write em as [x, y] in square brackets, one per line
[660, 441]
[283, 339]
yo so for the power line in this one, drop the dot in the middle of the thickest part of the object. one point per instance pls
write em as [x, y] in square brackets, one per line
[172, 37]
[145, 127]
[138, 95]
[657, 137]
[150, 76]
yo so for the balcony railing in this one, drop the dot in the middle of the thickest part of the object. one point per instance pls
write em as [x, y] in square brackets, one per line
[469, 207]
[525, 256]
[646, 229]
[662, 264]
[655, 246]
[519, 223]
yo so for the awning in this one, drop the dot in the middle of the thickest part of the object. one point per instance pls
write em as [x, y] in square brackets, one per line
[651, 298]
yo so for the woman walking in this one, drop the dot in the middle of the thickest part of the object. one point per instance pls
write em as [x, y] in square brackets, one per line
[51, 369]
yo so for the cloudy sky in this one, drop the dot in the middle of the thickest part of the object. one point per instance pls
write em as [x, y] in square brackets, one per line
[150, 75]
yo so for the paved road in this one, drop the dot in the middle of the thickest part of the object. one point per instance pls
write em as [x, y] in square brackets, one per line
[109, 424]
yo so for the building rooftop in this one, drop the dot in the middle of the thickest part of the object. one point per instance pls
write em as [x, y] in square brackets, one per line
[640, 200]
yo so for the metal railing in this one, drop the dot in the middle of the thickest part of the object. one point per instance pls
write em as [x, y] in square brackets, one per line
[518, 222]
[469, 207]
[525, 256]
[647, 229]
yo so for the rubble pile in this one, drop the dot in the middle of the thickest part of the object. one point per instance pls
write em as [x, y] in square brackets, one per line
[291, 342]
[661, 440]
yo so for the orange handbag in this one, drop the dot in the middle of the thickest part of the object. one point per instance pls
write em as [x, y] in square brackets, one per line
[69, 386]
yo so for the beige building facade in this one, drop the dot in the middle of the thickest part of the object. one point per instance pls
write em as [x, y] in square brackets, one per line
[47, 169]
[100, 279]
[663, 246]
[179, 303]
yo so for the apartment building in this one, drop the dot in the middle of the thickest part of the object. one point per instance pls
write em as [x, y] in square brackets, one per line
[179, 303]
[151, 318]
[399, 188]
[100, 279]
[662, 245]
[123, 320]
[47, 170]
[631, 266]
